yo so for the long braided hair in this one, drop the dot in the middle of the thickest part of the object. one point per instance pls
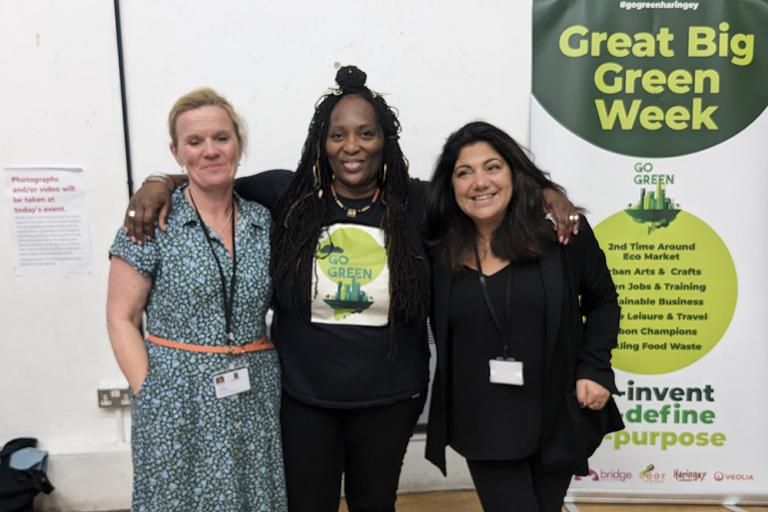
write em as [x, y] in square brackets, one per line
[302, 210]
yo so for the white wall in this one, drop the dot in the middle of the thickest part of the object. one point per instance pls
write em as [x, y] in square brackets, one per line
[59, 99]
[441, 64]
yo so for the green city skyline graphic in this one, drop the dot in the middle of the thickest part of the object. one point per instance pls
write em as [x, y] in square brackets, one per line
[350, 297]
[654, 208]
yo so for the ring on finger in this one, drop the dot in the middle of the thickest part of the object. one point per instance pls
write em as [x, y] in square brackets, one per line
[131, 213]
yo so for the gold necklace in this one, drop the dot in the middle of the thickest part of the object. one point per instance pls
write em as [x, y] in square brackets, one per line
[226, 222]
[229, 213]
[354, 212]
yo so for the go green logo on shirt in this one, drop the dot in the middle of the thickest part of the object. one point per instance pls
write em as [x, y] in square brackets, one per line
[351, 258]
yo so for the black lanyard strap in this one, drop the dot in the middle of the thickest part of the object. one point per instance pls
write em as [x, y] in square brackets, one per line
[228, 301]
[503, 329]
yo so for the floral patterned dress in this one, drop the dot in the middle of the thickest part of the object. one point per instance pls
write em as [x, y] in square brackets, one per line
[192, 451]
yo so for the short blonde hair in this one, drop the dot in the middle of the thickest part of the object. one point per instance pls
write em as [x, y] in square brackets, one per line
[205, 97]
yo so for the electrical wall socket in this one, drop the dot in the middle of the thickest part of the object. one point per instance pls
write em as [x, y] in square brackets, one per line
[112, 398]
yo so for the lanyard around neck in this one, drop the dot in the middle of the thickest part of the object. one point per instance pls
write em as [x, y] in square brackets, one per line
[503, 329]
[228, 301]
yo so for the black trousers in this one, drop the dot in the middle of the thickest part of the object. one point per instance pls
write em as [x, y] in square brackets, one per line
[367, 445]
[518, 485]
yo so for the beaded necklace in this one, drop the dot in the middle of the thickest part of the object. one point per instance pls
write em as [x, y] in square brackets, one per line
[354, 212]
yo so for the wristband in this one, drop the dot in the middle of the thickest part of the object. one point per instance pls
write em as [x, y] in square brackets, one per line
[159, 177]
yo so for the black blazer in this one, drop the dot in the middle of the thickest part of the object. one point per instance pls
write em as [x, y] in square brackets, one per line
[577, 283]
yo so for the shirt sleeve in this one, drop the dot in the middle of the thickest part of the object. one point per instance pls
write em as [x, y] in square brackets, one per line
[144, 258]
[264, 187]
[599, 307]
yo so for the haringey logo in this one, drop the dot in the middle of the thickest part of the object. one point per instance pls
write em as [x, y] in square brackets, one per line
[720, 476]
[687, 475]
[649, 475]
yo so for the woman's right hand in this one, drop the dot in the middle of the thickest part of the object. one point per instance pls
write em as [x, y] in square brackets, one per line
[127, 295]
[591, 395]
[150, 203]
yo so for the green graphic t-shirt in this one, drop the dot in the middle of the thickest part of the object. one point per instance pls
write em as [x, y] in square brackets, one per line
[351, 278]
[348, 350]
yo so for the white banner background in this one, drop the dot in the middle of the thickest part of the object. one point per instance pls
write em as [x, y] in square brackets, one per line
[724, 186]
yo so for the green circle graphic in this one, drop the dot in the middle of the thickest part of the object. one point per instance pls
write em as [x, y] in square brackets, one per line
[351, 254]
[651, 82]
[677, 289]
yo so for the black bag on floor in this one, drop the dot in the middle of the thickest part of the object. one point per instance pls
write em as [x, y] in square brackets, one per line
[21, 481]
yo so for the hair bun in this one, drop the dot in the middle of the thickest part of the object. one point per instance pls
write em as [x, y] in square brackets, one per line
[350, 77]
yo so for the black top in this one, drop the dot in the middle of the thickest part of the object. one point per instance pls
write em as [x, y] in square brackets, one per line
[338, 353]
[481, 414]
[581, 322]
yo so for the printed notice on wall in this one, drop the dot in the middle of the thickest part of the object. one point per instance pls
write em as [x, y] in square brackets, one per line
[50, 233]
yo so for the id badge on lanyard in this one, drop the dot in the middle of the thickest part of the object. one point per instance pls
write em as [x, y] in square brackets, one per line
[235, 379]
[504, 370]
[232, 381]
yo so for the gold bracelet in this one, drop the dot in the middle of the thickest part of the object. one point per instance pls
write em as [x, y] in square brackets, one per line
[161, 178]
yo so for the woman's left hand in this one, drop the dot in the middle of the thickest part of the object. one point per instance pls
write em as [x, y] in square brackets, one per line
[591, 395]
[565, 214]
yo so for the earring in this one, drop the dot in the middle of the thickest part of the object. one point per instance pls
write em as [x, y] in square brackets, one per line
[183, 169]
[384, 175]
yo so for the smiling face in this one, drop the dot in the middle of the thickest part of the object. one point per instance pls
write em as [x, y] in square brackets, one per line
[354, 146]
[207, 147]
[482, 185]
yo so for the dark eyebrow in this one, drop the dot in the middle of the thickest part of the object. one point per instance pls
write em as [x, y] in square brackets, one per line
[342, 127]
[492, 159]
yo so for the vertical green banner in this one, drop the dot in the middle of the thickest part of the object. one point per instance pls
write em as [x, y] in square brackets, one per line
[653, 116]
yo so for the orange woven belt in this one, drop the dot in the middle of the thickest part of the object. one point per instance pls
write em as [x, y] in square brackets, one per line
[254, 346]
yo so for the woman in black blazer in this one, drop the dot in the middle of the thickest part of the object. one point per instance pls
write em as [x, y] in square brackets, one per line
[524, 328]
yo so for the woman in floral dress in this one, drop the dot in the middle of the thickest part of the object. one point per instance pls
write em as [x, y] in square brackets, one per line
[206, 382]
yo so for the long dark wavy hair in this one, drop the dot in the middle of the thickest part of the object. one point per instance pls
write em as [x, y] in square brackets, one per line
[303, 209]
[523, 231]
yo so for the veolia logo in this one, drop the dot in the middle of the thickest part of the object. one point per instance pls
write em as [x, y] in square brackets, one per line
[719, 476]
